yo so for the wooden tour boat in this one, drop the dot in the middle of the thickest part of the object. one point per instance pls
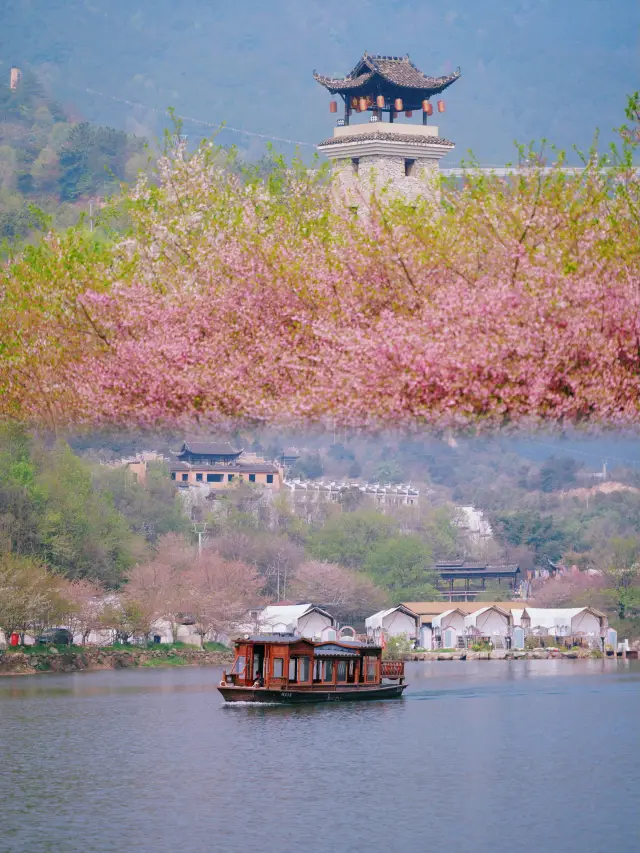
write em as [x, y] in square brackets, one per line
[287, 669]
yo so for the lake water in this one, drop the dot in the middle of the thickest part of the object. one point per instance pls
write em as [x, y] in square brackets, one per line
[479, 757]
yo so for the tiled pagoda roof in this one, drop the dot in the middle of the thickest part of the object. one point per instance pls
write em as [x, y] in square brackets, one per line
[386, 74]
[207, 448]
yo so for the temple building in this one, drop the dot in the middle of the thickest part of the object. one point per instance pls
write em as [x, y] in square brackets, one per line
[217, 465]
[402, 157]
[210, 452]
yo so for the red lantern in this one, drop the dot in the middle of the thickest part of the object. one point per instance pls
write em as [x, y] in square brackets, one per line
[408, 113]
[354, 102]
[333, 107]
[427, 107]
[398, 105]
[380, 101]
[363, 104]
[440, 106]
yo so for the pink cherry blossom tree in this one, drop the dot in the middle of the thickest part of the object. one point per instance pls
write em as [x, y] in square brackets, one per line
[515, 302]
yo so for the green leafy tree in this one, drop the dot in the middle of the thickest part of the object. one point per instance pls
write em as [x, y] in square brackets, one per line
[82, 535]
[30, 596]
[352, 499]
[531, 528]
[623, 577]
[152, 508]
[308, 467]
[354, 470]
[340, 453]
[397, 647]
[558, 473]
[387, 472]
[348, 538]
[401, 565]
[437, 527]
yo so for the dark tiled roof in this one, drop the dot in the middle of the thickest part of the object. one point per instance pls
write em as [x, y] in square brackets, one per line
[464, 566]
[346, 84]
[397, 70]
[212, 448]
[487, 571]
[392, 137]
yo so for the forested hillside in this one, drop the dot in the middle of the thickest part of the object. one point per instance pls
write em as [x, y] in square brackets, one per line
[81, 520]
[51, 161]
[546, 499]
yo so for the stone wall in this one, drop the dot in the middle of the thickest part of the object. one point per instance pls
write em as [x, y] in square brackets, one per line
[53, 660]
[386, 175]
[501, 654]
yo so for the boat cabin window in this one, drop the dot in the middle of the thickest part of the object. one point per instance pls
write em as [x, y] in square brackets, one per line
[278, 667]
[293, 669]
[342, 670]
[239, 665]
[370, 668]
[303, 669]
[328, 670]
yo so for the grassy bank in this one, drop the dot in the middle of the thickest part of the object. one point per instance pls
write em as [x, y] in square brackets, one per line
[29, 660]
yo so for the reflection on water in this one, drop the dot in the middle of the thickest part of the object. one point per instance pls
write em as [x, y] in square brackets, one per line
[479, 756]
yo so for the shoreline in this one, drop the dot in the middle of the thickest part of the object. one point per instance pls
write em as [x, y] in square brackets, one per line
[504, 654]
[52, 660]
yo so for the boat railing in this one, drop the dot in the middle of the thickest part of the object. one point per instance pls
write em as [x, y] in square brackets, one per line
[392, 669]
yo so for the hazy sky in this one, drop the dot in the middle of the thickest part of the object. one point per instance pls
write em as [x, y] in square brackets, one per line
[531, 68]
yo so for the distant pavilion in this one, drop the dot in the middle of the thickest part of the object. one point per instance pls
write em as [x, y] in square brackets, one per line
[376, 156]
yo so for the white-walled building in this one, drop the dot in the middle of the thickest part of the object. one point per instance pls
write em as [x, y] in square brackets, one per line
[394, 622]
[505, 624]
[449, 629]
[562, 622]
[305, 620]
[492, 624]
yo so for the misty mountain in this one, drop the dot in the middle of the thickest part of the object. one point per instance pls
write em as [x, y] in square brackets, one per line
[530, 69]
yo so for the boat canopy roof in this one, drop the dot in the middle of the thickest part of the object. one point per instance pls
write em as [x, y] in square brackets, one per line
[274, 639]
[346, 648]
[334, 650]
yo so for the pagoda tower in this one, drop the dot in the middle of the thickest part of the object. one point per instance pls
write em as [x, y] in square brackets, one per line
[399, 157]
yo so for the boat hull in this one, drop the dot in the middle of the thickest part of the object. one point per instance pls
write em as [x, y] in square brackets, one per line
[305, 697]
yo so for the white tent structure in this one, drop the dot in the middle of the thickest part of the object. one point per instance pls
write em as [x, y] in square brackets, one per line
[448, 628]
[490, 623]
[394, 622]
[305, 620]
[560, 622]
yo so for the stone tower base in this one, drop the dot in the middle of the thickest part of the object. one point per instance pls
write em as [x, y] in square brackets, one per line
[387, 158]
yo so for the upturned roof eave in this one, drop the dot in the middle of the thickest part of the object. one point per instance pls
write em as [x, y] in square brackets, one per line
[362, 84]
